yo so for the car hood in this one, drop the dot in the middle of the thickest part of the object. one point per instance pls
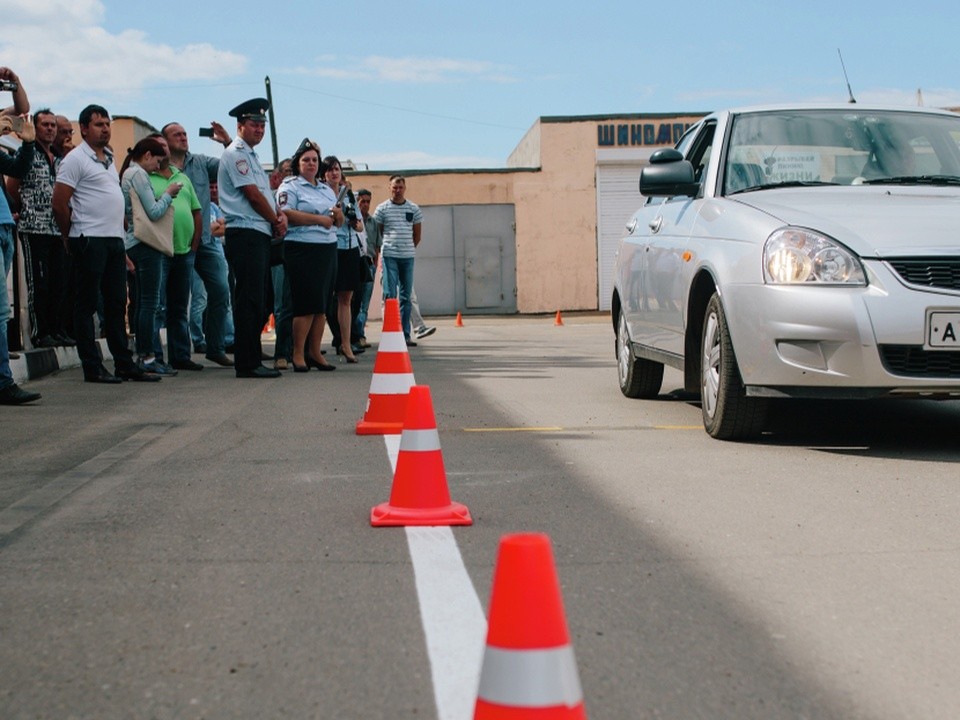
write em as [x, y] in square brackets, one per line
[873, 221]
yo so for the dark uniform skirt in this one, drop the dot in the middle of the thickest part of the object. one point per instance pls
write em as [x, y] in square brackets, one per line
[348, 270]
[311, 269]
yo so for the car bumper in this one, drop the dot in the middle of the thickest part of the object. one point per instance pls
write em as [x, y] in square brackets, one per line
[840, 342]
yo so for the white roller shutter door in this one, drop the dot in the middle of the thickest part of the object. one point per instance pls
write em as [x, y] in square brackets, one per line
[618, 197]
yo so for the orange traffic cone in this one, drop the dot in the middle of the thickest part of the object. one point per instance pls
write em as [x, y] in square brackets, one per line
[392, 378]
[459, 321]
[419, 495]
[529, 671]
[270, 326]
[558, 320]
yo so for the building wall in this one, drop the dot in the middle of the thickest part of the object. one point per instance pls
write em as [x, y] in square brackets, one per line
[551, 180]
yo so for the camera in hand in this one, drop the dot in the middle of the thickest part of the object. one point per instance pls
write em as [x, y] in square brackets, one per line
[350, 214]
[8, 85]
[206, 132]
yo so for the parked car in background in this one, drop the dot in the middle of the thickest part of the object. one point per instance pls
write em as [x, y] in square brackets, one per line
[795, 252]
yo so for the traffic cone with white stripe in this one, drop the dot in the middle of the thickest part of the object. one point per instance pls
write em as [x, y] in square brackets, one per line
[529, 671]
[419, 495]
[392, 378]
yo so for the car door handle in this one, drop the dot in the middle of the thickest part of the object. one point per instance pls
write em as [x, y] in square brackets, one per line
[656, 224]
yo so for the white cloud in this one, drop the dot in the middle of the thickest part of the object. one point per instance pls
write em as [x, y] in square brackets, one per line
[424, 70]
[40, 39]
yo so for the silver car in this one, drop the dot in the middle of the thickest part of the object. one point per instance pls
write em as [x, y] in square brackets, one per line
[795, 252]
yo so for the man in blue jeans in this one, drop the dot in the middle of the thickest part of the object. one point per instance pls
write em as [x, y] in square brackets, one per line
[400, 221]
[210, 263]
[16, 165]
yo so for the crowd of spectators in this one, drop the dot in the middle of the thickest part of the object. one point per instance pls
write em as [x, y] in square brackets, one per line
[239, 246]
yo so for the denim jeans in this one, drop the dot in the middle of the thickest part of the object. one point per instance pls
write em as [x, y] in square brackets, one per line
[210, 265]
[363, 298]
[198, 304]
[282, 314]
[398, 283]
[177, 271]
[6, 250]
[148, 263]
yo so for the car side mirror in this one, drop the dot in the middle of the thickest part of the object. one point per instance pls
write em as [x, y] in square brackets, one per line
[667, 175]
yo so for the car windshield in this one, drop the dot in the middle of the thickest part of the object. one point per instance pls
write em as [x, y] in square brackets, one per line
[841, 147]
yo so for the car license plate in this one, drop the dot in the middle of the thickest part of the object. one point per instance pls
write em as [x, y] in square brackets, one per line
[943, 330]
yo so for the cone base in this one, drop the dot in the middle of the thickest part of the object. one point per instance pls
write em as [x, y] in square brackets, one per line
[490, 711]
[368, 427]
[387, 515]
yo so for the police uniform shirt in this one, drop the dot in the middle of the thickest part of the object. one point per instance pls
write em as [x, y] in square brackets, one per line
[296, 193]
[240, 166]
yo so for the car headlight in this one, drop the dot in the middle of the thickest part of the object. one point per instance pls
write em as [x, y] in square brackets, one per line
[793, 256]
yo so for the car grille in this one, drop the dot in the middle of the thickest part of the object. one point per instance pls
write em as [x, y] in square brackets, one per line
[932, 272]
[914, 361]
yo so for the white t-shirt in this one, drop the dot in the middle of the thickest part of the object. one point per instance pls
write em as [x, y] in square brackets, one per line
[96, 207]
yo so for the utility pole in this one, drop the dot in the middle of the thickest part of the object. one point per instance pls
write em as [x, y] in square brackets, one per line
[273, 124]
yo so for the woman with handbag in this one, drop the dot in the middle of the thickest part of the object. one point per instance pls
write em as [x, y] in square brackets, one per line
[149, 225]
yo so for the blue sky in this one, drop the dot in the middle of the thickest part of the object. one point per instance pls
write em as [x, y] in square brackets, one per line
[408, 84]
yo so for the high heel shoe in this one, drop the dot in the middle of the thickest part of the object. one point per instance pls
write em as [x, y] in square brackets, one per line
[349, 358]
[323, 367]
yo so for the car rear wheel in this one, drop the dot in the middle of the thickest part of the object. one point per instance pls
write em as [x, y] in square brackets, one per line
[728, 414]
[639, 378]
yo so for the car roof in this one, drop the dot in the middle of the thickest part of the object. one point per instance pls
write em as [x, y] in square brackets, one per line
[849, 107]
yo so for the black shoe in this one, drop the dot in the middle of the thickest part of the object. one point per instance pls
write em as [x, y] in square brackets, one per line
[65, 340]
[200, 349]
[357, 349]
[322, 367]
[47, 341]
[186, 365]
[102, 375]
[410, 343]
[136, 374]
[16, 395]
[220, 360]
[258, 372]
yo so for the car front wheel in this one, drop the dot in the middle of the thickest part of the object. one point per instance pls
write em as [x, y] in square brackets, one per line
[638, 377]
[728, 414]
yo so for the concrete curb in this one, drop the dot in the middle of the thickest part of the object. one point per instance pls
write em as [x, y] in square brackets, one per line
[37, 363]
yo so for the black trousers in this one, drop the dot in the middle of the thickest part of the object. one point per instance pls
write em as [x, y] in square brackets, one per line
[45, 265]
[248, 253]
[100, 270]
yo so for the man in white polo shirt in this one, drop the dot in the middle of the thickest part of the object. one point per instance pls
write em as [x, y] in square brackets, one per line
[88, 206]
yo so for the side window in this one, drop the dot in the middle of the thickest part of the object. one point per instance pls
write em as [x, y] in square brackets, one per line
[700, 151]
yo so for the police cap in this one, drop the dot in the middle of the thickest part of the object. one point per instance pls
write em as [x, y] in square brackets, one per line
[255, 109]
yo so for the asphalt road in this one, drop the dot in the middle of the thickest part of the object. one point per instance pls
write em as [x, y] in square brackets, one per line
[201, 548]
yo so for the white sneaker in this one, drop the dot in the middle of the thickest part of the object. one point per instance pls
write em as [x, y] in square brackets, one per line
[425, 332]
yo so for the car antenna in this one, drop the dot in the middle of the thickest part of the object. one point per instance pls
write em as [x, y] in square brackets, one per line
[844, 67]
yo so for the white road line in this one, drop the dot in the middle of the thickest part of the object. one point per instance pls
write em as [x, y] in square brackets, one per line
[453, 619]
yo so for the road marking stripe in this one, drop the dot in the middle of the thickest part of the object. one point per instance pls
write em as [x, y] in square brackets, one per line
[39, 501]
[454, 625]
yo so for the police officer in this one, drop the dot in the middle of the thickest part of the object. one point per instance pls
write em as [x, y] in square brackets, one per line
[252, 220]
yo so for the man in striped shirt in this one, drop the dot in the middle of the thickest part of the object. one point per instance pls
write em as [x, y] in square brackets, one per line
[399, 221]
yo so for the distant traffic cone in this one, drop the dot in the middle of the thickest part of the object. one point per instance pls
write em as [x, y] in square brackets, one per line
[459, 321]
[270, 326]
[529, 671]
[392, 378]
[419, 495]
[558, 320]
